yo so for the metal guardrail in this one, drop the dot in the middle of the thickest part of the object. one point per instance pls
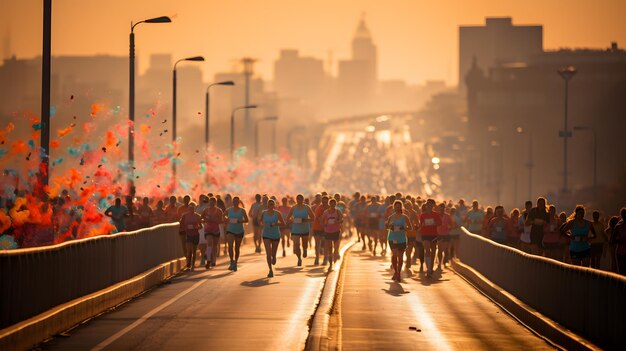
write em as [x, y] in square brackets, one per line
[36, 279]
[590, 302]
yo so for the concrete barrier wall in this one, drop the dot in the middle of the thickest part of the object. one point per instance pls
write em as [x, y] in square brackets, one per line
[35, 280]
[591, 303]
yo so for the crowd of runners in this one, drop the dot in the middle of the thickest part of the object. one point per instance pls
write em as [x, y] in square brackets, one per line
[414, 231]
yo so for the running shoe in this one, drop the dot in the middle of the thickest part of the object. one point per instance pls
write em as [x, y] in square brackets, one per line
[208, 265]
[214, 264]
[235, 267]
[299, 262]
[270, 274]
[230, 268]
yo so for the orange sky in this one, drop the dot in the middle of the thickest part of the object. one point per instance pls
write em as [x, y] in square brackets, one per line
[417, 39]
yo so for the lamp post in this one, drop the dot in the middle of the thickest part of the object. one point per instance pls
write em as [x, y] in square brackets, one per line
[207, 111]
[529, 164]
[232, 127]
[566, 72]
[194, 58]
[595, 156]
[256, 132]
[131, 98]
[44, 142]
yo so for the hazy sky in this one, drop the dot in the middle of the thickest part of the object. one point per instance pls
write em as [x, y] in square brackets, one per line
[417, 39]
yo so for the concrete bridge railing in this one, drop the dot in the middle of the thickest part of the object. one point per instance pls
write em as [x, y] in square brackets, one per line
[35, 280]
[589, 302]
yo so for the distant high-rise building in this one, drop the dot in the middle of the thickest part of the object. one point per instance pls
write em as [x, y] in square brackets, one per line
[298, 77]
[363, 49]
[357, 78]
[498, 41]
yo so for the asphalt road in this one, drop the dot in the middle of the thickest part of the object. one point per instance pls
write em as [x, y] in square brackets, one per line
[376, 313]
[216, 309]
[243, 310]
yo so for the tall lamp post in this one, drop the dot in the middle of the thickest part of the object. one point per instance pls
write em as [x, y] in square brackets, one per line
[529, 164]
[207, 111]
[194, 58]
[595, 156]
[256, 132]
[131, 98]
[45, 94]
[566, 72]
[232, 127]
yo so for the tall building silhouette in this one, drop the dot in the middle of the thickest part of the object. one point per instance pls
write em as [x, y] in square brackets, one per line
[498, 41]
[357, 78]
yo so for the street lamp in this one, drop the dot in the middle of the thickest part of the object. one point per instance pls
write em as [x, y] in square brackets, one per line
[256, 132]
[194, 58]
[232, 127]
[529, 163]
[207, 111]
[567, 73]
[131, 98]
[595, 157]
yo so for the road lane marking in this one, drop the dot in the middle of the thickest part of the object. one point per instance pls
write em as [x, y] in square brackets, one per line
[145, 317]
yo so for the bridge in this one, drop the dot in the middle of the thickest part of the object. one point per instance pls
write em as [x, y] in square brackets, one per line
[127, 291]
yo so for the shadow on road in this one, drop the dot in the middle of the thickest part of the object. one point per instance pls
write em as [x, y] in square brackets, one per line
[395, 289]
[289, 270]
[261, 282]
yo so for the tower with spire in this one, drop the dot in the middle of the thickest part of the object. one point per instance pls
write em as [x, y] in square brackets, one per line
[358, 78]
[363, 48]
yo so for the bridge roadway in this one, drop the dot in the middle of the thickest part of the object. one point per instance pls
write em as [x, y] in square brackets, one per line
[224, 310]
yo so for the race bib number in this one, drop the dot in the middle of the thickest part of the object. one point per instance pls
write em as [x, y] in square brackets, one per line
[331, 221]
[297, 220]
[191, 226]
[394, 241]
[499, 229]
[233, 221]
[397, 228]
[372, 215]
[429, 221]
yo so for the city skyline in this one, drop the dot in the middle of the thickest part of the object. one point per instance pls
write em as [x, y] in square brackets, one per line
[402, 30]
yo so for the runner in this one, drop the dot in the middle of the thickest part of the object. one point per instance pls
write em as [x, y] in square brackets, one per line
[474, 219]
[332, 220]
[299, 216]
[537, 219]
[284, 230]
[236, 217]
[597, 243]
[551, 236]
[271, 221]
[429, 221]
[254, 212]
[180, 211]
[118, 213]
[146, 215]
[360, 221]
[318, 229]
[202, 205]
[382, 231]
[443, 231]
[190, 222]
[213, 217]
[498, 227]
[352, 214]
[578, 229]
[456, 218]
[398, 223]
[525, 233]
[411, 234]
[618, 238]
[371, 228]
